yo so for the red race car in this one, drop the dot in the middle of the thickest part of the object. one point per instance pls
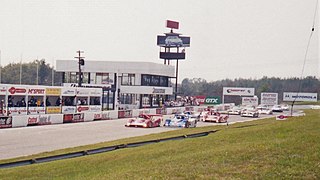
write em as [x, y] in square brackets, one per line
[145, 120]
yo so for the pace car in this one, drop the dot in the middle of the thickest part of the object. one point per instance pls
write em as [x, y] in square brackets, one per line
[180, 120]
[145, 120]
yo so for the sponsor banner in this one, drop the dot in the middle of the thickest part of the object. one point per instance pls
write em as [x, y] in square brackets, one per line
[253, 101]
[73, 118]
[17, 90]
[200, 99]
[53, 110]
[282, 117]
[212, 100]
[97, 116]
[237, 91]
[68, 91]
[17, 110]
[67, 118]
[95, 108]
[53, 91]
[79, 117]
[125, 114]
[68, 109]
[36, 91]
[3, 90]
[36, 110]
[173, 41]
[294, 96]
[5, 122]
[33, 120]
[45, 119]
[107, 115]
[83, 92]
[269, 98]
[82, 108]
[97, 86]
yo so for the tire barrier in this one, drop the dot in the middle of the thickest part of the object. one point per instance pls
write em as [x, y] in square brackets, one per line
[99, 150]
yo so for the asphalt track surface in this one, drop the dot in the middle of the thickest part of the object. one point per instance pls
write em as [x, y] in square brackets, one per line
[17, 142]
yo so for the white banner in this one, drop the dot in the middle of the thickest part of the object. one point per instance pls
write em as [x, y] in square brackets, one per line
[294, 96]
[252, 101]
[236, 91]
[269, 98]
[68, 109]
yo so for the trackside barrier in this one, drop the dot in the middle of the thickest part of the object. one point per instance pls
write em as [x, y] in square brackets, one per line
[99, 150]
[124, 114]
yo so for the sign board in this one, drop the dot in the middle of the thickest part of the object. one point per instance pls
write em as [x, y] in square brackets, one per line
[17, 90]
[3, 90]
[173, 41]
[212, 100]
[252, 101]
[172, 55]
[36, 91]
[53, 91]
[172, 24]
[295, 96]
[269, 98]
[237, 91]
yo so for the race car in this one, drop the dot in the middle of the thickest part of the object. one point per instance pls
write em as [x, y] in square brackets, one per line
[234, 111]
[145, 120]
[193, 115]
[180, 120]
[263, 109]
[249, 112]
[216, 117]
[277, 108]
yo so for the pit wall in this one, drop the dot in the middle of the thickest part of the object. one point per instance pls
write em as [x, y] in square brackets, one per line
[48, 119]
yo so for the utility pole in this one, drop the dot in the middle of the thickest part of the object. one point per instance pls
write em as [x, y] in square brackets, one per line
[81, 63]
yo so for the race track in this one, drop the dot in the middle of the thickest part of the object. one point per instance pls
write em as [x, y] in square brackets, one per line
[16, 142]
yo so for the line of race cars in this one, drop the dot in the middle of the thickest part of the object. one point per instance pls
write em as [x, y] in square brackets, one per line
[191, 118]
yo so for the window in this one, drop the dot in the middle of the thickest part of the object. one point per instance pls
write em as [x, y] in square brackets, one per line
[104, 78]
[128, 79]
[152, 80]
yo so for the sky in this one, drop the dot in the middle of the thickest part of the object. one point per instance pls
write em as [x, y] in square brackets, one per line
[229, 38]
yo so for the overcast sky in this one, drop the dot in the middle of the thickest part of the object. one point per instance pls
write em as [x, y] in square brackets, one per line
[229, 38]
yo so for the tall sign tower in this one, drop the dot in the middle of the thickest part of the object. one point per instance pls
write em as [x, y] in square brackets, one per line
[172, 47]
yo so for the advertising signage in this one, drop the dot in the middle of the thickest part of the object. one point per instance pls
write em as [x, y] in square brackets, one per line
[212, 100]
[269, 98]
[294, 96]
[172, 55]
[172, 24]
[236, 91]
[252, 101]
[173, 41]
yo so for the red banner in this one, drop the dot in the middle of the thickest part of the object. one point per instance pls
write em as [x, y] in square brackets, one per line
[172, 24]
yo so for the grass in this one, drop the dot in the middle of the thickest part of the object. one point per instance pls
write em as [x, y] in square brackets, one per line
[307, 103]
[263, 149]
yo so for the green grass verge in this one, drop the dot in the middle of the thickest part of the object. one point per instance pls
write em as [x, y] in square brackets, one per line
[306, 103]
[263, 149]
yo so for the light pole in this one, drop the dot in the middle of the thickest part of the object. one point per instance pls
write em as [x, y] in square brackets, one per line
[81, 63]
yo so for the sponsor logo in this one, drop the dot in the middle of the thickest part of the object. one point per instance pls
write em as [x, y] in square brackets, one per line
[212, 100]
[158, 91]
[32, 120]
[14, 90]
[53, 91]
[237, 90]
[82, 108]
[69, 92]
[36, 91]
[44, 120]
[78, 117]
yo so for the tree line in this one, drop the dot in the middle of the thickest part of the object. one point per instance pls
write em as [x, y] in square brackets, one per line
[37, 72]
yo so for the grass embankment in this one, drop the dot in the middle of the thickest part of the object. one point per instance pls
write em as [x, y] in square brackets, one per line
[264, 149]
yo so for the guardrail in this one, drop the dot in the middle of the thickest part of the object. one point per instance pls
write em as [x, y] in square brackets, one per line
[99, 150]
